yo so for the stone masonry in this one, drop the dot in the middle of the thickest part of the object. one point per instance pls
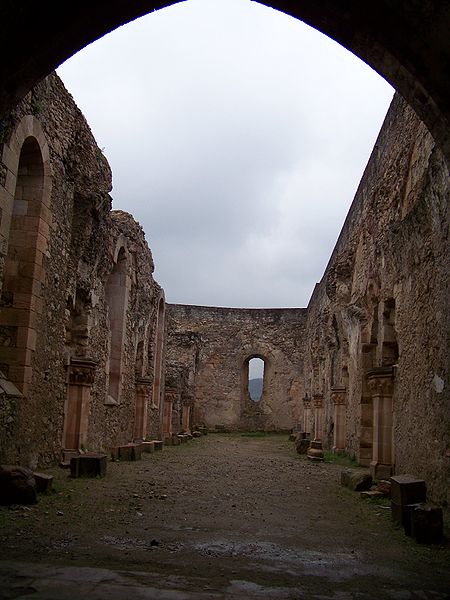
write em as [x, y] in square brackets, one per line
[214, 346]
[91, 356]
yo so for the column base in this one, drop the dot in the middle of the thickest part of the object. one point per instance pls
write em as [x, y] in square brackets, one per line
[380, 471]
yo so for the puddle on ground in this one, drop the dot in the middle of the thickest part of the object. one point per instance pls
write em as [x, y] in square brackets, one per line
[336, 566]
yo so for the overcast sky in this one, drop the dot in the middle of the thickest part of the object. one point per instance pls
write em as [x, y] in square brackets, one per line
[237, 137]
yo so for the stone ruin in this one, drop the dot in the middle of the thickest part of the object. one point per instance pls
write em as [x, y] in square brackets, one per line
[92, 357]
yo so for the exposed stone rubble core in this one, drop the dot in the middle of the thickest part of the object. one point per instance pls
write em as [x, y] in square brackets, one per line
[89, 360]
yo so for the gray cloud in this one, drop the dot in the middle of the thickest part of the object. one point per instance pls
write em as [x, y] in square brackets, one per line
[237, 137]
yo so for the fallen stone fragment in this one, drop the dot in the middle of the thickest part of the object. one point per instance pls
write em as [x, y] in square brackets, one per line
[17, 485]
[372, 494]
[357, 481]
[384, 487]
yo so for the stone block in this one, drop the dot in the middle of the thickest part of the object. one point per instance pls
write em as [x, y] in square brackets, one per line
[406, 489]
[129, 452]
[357, 481]
[197, 434]
[91, 464]
[293, 437]
[17, 485]
[183, 438]
[302, 445]
[44, 483]
[427, 523]
[147, 447]
[158, 445]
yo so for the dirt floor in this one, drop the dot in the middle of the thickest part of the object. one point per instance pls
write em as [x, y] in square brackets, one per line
[223, 516]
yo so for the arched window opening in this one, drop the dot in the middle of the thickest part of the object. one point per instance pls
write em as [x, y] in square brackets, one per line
[255, 378]
[117, 289]
[23, 272]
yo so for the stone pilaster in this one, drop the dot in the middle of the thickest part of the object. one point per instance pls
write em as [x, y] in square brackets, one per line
[143, 386]
[339, 398]
[307, 414]
[81, 374]
[318, 416]
[170, 396]
[381, 384]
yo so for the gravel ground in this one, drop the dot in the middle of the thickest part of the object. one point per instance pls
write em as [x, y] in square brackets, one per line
[231, 515]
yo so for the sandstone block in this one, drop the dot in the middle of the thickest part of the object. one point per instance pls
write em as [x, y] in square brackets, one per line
[17, 485]
[44, 483]
[158, 445]
[147, 447]
[196, 434]
[90, 464]
[129, 452]
[406, 489]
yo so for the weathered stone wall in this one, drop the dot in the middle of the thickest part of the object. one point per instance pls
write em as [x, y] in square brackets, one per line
[61, 237]
[384, 300]
[214, 345]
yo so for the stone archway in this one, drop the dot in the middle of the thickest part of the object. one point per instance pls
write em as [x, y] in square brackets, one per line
[406, 43]
[24, 231]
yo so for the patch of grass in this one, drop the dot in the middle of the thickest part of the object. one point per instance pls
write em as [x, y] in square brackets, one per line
[340, 459]
[254, 434]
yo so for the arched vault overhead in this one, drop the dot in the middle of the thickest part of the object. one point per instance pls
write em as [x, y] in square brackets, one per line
[406, 41]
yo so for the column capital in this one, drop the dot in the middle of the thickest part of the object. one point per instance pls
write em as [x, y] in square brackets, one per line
[338, 395]
[82, 371]
[318, 400]
[170, 394]
[143, 385]
[381, 381]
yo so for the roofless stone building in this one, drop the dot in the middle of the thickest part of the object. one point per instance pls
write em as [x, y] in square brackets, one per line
[91, 356]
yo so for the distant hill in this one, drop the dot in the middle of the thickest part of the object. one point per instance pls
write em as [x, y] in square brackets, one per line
[255, 388]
